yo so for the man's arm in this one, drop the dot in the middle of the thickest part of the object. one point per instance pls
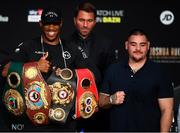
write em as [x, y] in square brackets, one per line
[43, 65]
[105, 100]
[166, 107]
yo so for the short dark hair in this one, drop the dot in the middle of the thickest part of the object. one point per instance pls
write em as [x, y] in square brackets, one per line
[138, 32]
[85, 6]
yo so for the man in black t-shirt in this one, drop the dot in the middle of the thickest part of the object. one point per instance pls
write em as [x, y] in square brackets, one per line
[137, 91]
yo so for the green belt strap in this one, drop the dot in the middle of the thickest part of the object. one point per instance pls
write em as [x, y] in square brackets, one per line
[17, 67]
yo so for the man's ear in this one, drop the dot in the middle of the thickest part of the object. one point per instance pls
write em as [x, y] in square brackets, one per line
[148, 45]
[74, 19]
[126, 45]
[40, 24]
[61, 23]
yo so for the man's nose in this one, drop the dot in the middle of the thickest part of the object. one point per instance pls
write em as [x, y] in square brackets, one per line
[85, 24]
[138, 46]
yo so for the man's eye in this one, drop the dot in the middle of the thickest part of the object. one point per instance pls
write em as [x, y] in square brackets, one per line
[133, 44]
[90, 20]
[81, 20]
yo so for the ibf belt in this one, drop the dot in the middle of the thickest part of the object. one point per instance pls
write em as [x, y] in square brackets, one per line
[87, 94]
[37, 94]
[13, 95]
[62, 84]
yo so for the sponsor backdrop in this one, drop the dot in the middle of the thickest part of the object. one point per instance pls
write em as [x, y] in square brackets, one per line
[160, 19]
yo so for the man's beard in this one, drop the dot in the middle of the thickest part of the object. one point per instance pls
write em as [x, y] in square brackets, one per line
[138, 59]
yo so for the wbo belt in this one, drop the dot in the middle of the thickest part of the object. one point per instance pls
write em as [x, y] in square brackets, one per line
[87, 95]
[62, 84]
[37, 94]
[13, 95]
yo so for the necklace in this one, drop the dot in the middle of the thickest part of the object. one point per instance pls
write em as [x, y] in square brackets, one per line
[62, 49]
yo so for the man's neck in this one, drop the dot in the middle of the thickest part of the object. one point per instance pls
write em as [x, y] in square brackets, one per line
[136, 65]
[83, 37]
[53, 42]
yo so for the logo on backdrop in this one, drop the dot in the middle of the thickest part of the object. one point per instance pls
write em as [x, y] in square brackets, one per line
[109, 16]
[165, 54]
[34, 15]
[4, 18]
[167, 17]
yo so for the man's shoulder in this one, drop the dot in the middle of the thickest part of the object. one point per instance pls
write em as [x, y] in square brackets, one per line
[33, 40]
[119, 64]
[71, 47]
[68, 44]
[72, 37]
[30, 42]
[155, 67]
[151, 63]
[102, 40]
[27, 45]
[101, 36]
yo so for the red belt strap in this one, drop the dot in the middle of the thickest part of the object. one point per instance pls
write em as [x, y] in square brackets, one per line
[87, 94]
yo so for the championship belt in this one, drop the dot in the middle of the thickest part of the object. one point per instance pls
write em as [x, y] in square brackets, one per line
[37, 94]
[13, 96]
[62, 84]
[87, 94]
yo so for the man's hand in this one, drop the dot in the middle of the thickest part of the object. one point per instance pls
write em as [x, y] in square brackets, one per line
[117, 98]
[43, 64]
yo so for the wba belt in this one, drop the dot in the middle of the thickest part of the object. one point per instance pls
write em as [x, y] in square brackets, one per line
[13, 95]
[87, 94]
[62, 83]
[37, 94]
